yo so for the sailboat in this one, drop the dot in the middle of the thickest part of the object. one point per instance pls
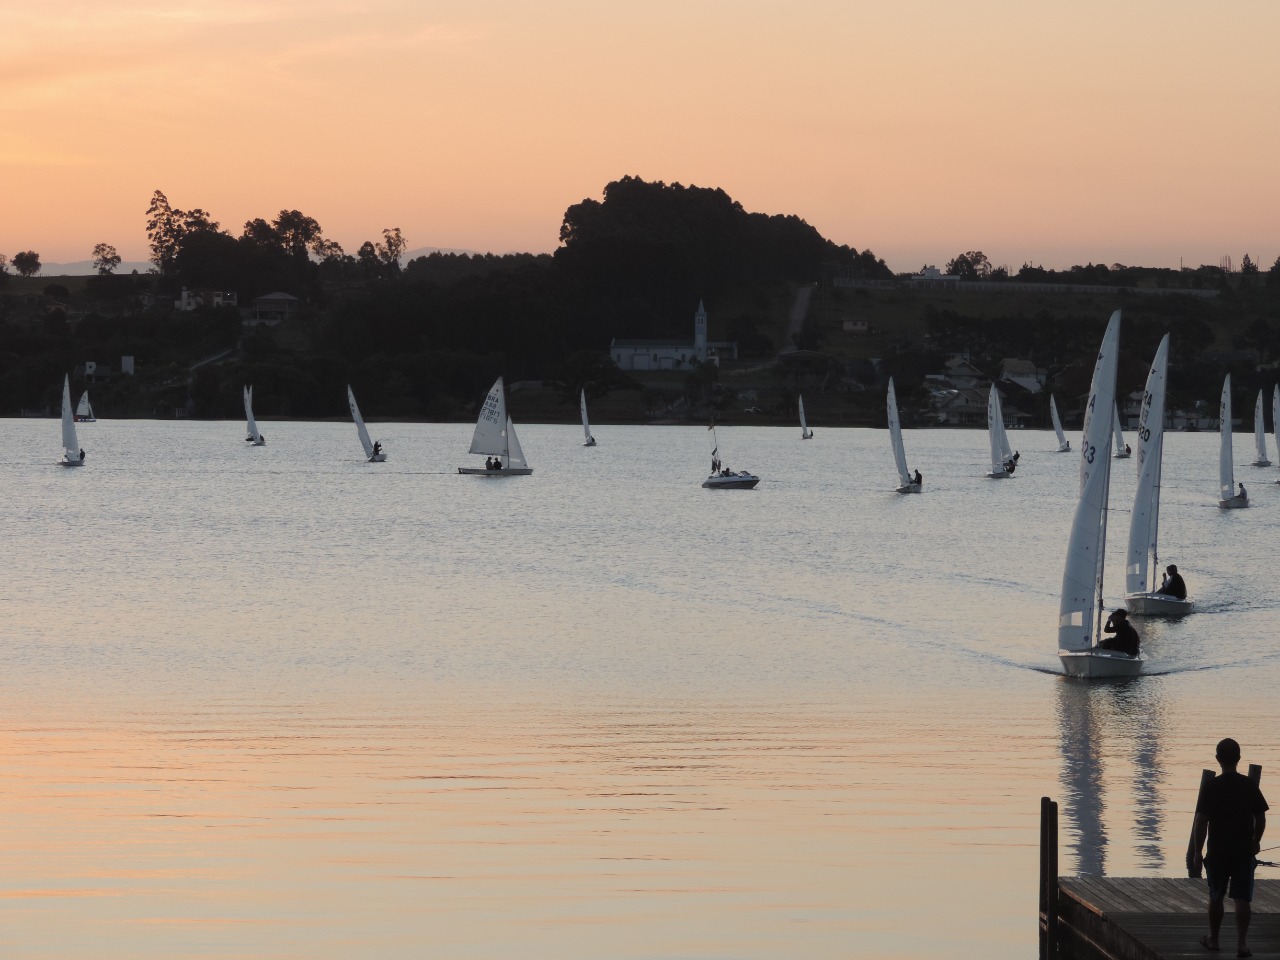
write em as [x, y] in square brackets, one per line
[373, 451]
[906, 483]
[495, 436]
[805, 432]
[1122, 448]
[251, 425]
[1079, 613]
[1260, 434]
[722, 478]
[590, 441]
[1228, 499]
[1064, 445]
[1144, 522]
[84, 410]
[1001, 456]
[72, 454]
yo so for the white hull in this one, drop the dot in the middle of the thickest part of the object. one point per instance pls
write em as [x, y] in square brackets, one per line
[1064, 448]
[1262, 463]
[70, 463]
[1121, 456]
[590, 443]
[260, 442]
[1235, 503]
[378, 458]
[1001, 475]
[1158, 605]
[1100, 663]
[504, 472]
[741, 481]
[908, 488]
[806, 436]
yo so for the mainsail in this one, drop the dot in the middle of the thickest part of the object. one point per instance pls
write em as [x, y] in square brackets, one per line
[586, 427]
[360, 428]
[1082, 573]
[1260, 433]
[69, 442]
[1226, 470]
[251, 425]
[1117, 435]
[805, 433]
[84, 410]
[1000, 452]
[1057, 424]
[490, 437]
[1144, 556]
[895, 436]
[515, 457]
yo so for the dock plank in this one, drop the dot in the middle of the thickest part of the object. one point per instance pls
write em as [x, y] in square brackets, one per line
[1158, 918]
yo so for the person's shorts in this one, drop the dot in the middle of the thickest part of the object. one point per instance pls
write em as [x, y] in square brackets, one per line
[1234, 879]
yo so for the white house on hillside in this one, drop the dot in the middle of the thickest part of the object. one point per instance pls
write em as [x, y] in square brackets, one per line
[672, 354]
[1024, 373]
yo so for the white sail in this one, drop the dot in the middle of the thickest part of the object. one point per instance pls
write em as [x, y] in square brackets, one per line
[84, 410]
[1145, 521]
[895, 436]
[251, 425]
[805, 432]
[515, 457]
[70, 445]
[360, 427]
[1057, 425]
[1275, 417]
[1260, 433]
[1082, 573]
[588, 439]
[1122, 449]
[1000, 452]
[490, 437]
[1226, 470]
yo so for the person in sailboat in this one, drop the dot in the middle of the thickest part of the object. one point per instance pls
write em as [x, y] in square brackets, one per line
[918, 480]
[82, 453]
[377, 447]
[1125, 639]
[1243, 494]
[1172, 584]
[1010, 465]
[1127, 450]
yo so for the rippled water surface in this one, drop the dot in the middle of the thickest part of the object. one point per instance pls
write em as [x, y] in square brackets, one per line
[278, 702]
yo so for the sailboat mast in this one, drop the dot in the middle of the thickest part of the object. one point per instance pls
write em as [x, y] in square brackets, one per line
[1155, 516]
[1102, 540]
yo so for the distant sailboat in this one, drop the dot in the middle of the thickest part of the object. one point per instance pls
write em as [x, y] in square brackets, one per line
[722, 478]
[495, 436]
[1064, 445]
[1002, 460]
[1144, 523]
[1080, 609]
[251, 425]
[1228, 498]
[72, 454]
[906, 483]
[84, 410]
[590, 441]
[1122, 448]
[372, 451]
[805, 432]
[1260, 434]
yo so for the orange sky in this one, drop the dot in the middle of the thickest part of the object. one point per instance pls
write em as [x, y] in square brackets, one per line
[1058, 132]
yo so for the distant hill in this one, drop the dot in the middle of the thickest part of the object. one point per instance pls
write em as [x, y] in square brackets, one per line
[85, 268]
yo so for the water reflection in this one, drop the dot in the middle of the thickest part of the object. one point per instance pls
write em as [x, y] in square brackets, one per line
[1101, 721]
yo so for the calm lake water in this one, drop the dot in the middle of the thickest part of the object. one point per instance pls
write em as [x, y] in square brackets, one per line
[277, 702]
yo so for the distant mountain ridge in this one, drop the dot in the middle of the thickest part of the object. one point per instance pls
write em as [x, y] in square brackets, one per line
[85, 268]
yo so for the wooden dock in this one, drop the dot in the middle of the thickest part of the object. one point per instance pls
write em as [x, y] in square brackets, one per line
[1139, 918]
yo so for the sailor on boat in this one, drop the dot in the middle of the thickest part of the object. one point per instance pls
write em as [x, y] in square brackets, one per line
[918, 480]
[1125, 639]
[82, 453]
[1172, 584]
[377, 447]
[1243, 494]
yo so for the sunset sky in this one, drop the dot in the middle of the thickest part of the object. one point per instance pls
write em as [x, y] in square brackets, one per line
[1054, 132]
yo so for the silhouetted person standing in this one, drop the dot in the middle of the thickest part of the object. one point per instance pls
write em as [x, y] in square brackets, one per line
[1233, 813]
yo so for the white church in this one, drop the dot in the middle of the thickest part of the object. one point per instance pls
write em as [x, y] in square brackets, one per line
[673, 354]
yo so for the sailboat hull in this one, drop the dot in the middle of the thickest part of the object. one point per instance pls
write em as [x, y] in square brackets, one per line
[1100, 663]
[378, 458]
[1235, 503]
[590, 443]
[70, 463]
[504, 472]
[998, 475]
[908, 488]
[1158, 605]
[1064, 448]
[1262, 463]
[1121, 456]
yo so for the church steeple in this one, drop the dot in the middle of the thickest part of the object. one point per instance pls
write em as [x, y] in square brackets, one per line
[700, 332]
